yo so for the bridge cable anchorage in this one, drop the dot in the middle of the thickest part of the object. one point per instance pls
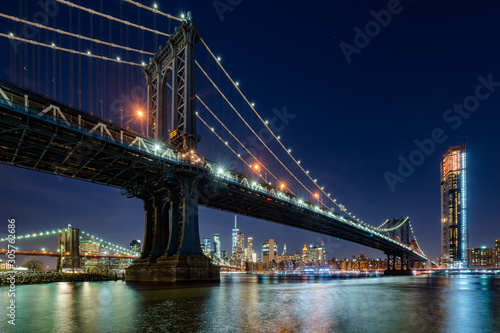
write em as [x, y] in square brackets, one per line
[234, 152]
[154, 10]
[269, 129]
[251, 129]
[62, 32]
[109, 17]
[227, 129]
[69, 50]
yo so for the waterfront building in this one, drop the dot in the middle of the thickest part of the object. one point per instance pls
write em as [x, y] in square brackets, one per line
[497, 252]
[482, 257]
[454, 224]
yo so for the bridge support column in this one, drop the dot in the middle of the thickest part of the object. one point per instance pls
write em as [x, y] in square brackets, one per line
[391, 265]
[175, 253]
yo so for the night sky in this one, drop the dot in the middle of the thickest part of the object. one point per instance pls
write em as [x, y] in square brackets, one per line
[359, 105]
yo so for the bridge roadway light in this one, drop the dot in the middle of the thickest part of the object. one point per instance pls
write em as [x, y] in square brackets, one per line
[140, 113]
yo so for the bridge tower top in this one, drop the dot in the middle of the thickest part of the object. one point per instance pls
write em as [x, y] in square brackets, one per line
[173, 67]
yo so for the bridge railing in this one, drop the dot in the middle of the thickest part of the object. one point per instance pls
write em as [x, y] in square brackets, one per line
[95, 127]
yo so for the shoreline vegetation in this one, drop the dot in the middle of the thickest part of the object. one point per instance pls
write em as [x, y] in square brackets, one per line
[24, 277]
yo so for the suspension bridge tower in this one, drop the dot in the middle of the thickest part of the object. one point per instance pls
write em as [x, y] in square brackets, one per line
[171, 250]
[68, 244]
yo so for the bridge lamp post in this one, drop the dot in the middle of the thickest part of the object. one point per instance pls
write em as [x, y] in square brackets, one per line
[140, 113]
[256, 167]
[316, 195]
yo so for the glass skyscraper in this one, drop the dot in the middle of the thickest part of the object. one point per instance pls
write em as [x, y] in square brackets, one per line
[216, 247]
[454, 228]
[234, 243]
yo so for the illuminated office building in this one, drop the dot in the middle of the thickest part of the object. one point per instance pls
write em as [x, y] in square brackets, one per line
[497, 252]
[207, 244]
[234, 243]
[216, 244]
[269, 250]
[249, 249]
[454, 228]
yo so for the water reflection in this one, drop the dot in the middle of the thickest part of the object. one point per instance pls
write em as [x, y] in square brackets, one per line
[264, 303]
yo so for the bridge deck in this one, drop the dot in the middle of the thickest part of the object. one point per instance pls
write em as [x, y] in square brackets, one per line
[41, 134]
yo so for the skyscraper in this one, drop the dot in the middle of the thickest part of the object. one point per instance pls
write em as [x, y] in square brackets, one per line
[497, 252]
[269, 250]
[305, 254]
[234, 243]
[249, 249]
[454, 228]
[216, 245]
[208, 244]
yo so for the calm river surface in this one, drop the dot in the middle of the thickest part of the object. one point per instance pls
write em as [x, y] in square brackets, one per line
[263, 303]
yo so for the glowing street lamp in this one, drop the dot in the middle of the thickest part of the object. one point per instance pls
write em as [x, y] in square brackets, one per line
[316, 195]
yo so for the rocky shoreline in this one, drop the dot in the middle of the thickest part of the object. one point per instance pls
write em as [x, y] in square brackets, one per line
[23, 277]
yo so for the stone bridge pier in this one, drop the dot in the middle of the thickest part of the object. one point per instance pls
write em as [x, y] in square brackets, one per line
[172, 250]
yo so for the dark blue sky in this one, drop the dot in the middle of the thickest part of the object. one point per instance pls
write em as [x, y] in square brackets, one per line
[353, 120]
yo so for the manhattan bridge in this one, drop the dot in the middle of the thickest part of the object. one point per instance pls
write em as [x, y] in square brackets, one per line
[162, 165]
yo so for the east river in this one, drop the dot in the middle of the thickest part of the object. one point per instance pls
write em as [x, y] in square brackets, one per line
[262, 303]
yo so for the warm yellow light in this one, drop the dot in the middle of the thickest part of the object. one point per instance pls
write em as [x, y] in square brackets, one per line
[316, 195]
[140, 113]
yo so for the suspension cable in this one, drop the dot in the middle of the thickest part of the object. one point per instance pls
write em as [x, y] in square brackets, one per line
[273, 134]
[231, 133]
[109, 17]
[68, 50]
[251, 129]
[154, 10]
[225, 142]
[403, 221]
[380, 226]
[59, 31]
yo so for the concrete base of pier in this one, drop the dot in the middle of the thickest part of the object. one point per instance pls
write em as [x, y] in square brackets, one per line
[173, 269]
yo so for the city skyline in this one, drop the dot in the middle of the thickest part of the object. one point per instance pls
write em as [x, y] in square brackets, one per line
[354, 165]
